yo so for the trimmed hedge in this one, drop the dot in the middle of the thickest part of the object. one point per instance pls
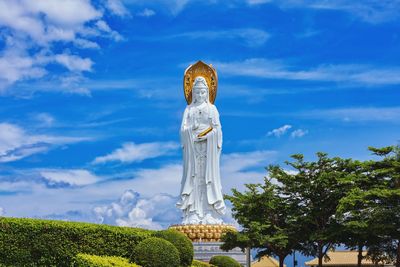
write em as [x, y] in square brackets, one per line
[224, 261]
[32, 242]
[86, 260]
[197, 263]
[156, 252]
[181, 242]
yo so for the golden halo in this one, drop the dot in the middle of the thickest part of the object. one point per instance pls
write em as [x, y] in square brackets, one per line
[200, 69]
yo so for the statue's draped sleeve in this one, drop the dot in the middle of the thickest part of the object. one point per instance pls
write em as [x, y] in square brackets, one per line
[213, 180]
[188, 162]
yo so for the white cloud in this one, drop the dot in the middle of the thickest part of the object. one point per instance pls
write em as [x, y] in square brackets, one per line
[156, 212]
[16, 144]
[47, 21]
[86, 44]
[152, 206]
[30, 29]
[2, 212]
[131, 152]
[71, 177]
[371, 11]
[74, 63]
[238, 169]
[14, 67]
[105, 28]
[249, 36]
[359, 114]
[348, 74]
[117, 8]
[278, 132]
[298, 133]
[146, 13]
[44, 119]
[173, 7]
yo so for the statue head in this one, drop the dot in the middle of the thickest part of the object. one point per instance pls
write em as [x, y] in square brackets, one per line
[200, 90]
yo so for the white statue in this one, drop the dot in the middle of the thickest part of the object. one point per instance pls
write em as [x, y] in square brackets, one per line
[201, 136]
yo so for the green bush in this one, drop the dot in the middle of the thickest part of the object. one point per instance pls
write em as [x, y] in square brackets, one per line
[156, 252]
[197, 263]
[181, 242]
[86, 260]
[224, 261]
[31, 242]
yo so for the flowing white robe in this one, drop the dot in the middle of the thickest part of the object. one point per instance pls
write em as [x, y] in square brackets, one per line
[207, 209]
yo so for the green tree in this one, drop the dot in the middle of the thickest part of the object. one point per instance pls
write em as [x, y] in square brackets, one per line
[377, 199]
[268, 219]
[353, 214]
[315, 188]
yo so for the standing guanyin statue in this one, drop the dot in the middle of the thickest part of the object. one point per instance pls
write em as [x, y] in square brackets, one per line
[201, 199]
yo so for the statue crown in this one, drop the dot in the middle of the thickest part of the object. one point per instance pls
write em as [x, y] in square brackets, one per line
[200, 81]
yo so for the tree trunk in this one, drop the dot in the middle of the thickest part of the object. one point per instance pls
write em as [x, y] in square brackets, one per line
[320, 255]
[398, 254]
[282, 259]
[360, 255]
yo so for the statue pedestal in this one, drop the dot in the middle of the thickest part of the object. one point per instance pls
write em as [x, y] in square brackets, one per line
[204, 251]
[206, 241]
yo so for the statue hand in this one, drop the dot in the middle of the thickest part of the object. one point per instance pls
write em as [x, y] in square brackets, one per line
[198, 139]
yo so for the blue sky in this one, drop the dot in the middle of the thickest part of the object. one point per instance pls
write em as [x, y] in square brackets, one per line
[91, 96]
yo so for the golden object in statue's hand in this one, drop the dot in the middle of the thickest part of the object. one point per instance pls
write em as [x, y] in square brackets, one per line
[205, 132]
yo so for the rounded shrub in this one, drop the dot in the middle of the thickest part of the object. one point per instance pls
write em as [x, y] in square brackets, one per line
[156, 252]
[181, 242]
[86, 260]
[224, 261]
[197, 263]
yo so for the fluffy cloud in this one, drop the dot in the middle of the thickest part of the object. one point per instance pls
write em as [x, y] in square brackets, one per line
[30, 28]
[298, 133]
[278, 132]
[156, 212]
[70, 177]
[346, 74]
[15, 66]
[44, 119]
[131, 152]
[146, 13]
[71, 194]
[16, 144]
[117, 8]
[238, 169]
[74, 63]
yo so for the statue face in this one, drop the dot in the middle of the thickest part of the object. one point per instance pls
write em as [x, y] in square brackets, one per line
[200, 94]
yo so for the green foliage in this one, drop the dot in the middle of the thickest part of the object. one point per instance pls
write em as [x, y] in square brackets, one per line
[156, 252]
[331, 200]
[315, 188]
[270, 221]
[370, 211]
[32, 242]
[86, 260]
[181, 242]
[197, 263]
[224, 261]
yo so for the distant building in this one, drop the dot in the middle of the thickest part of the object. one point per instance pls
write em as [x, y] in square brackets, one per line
[343, 259]
[266, 261]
